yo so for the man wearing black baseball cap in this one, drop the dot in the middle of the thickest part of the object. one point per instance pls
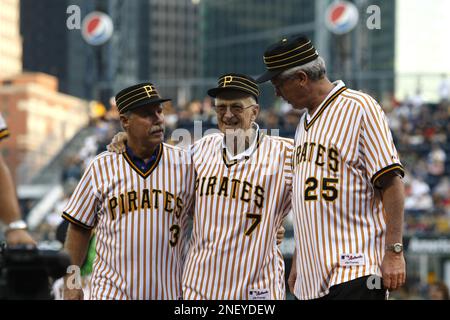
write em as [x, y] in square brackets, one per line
[140, 103]
[348, 196]
[137, 202]
[296, 58]
[236, 106]
[243, 192]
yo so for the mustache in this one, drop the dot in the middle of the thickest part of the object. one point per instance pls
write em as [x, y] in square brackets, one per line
[157, 128]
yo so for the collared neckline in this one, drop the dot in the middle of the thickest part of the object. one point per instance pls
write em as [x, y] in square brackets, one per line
[339, 87]
[142, 168]
[230, 160]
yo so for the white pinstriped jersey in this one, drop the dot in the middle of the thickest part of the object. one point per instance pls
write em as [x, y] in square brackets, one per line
[140, 220]
[3, 128]
[339, 222]
[239, 207]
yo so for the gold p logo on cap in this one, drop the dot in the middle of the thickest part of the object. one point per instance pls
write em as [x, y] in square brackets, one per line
[226, 80]
[148, 89]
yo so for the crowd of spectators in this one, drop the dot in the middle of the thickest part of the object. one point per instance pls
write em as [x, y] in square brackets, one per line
[421, 133]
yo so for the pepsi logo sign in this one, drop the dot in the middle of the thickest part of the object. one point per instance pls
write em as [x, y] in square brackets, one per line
[97, 28]
[341, 17]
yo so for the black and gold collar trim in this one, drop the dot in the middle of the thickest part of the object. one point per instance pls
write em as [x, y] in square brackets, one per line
[324, 106]
[152, 167]
[230, 163]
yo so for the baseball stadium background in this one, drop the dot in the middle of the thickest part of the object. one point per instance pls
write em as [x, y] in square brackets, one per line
[60, 67]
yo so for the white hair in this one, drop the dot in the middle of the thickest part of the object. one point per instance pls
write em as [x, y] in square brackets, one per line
[315, 70]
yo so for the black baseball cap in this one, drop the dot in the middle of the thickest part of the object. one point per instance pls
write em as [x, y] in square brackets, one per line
[287, 53]
[136, 96]
[235, 81]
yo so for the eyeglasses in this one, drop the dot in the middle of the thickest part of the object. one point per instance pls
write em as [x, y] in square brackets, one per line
[235, 109]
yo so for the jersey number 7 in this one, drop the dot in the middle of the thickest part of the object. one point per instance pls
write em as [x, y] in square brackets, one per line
[256, 220]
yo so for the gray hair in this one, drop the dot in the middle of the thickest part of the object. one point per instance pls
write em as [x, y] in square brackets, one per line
[315, 70]
[127, 115]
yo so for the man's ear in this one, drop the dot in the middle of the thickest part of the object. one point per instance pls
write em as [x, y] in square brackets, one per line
[124, 121]
[302, 78]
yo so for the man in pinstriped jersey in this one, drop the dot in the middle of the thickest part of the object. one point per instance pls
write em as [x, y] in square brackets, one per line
[242, 195]
[348, 197]
[138, 203]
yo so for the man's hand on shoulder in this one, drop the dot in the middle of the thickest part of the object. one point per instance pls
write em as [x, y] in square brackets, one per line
[117, 144]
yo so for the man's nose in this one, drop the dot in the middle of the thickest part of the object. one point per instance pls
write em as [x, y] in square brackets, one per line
[228, 112]
[159, 118]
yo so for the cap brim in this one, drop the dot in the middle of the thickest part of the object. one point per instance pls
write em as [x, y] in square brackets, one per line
[214, 92]
[268, 75]
[146, 103]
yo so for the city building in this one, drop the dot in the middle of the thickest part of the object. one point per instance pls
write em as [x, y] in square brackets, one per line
[41, 120]
[235, 34]
[153, 40]
[11, 43]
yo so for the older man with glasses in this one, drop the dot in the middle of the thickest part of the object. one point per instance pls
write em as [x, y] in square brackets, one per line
[242, 194]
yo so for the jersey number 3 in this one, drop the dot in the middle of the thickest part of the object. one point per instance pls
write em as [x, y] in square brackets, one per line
[175, 229]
